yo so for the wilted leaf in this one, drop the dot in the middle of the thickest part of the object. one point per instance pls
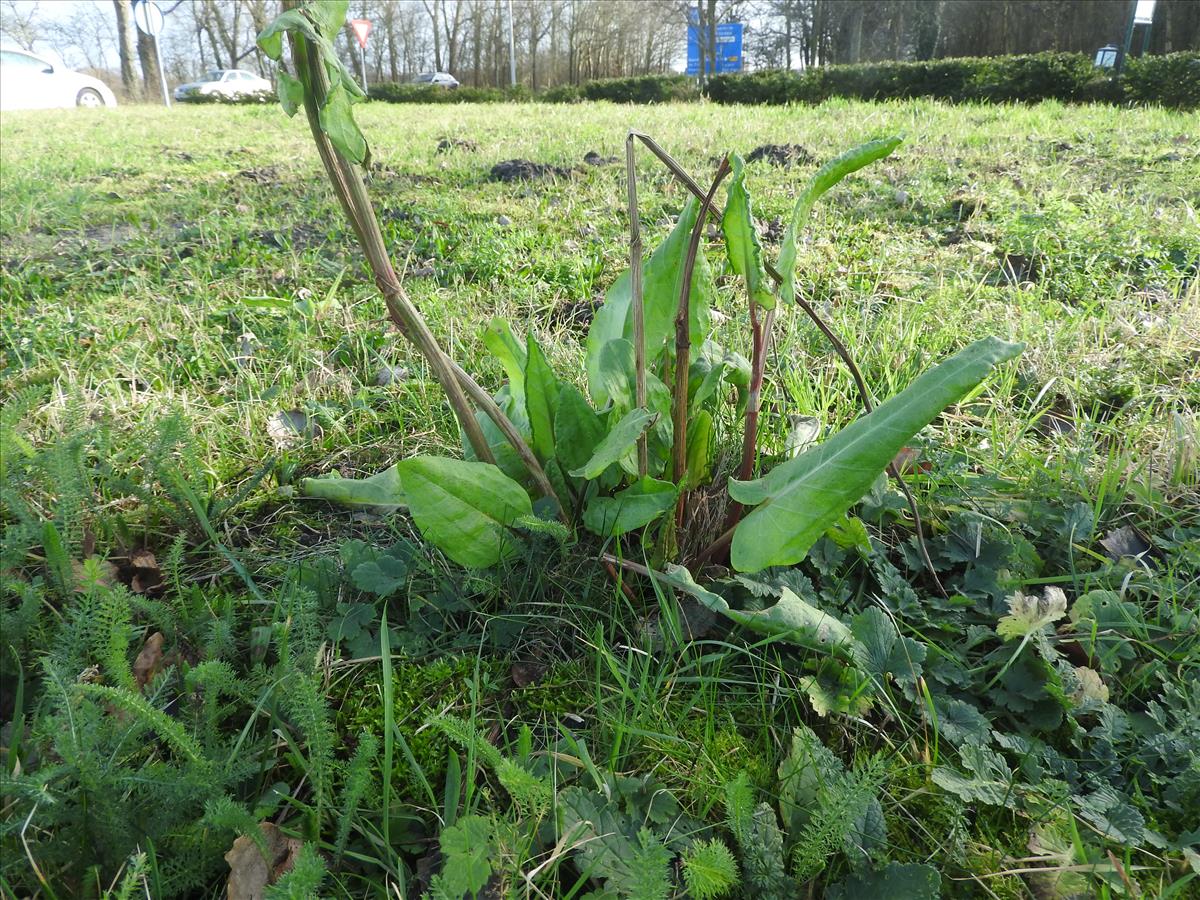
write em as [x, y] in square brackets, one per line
[662, 281]
[250, 872]
[1028, 614]
[1091, 687]
[381, 491]
[791, 618]
[1124, 542]
[337, 121]
[288, 427]
[290, 91]
[824, 178]
[741, 238]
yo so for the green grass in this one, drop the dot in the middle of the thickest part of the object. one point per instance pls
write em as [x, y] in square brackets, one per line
[193, 262]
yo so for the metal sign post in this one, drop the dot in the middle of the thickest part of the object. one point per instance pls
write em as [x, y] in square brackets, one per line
[362, 31]
[149, 19]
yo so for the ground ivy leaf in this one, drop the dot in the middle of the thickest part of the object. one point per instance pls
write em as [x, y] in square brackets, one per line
[382, 576]
[989, 780]
[897, 881]
[960, 722]
[879, 650]
[1113, 816]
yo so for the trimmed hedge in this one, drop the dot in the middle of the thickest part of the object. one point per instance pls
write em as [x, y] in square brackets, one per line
[642, 89]
[1172, 80]
[391, 92]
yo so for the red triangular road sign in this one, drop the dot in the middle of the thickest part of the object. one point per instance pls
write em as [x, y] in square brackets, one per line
[362, 30]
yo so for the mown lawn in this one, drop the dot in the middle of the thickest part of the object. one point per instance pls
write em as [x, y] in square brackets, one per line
[189, 330]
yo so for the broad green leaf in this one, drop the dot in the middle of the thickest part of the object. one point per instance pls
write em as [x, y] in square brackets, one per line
[381, 491]
[825, 178]
[464, 508]
[615, 376]
[337, 121]
[270, 39]
[699, 449]
[578, 430]
[801, 498]
[637, 505]
[741, 239]
[541, 400]
[617, 443]
[662, 280]
[506, 457]
[498, 337]
[290, 91]
[791, 618]
[329, 16]
[714, 366]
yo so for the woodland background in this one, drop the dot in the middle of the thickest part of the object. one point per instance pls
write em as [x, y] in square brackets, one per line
[573, 41]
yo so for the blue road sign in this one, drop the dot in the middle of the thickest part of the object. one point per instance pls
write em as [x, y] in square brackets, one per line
[728, 47]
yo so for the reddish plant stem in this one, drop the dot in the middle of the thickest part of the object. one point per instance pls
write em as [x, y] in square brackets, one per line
[683, 341]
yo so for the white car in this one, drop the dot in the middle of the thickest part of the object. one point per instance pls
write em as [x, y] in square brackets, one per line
[30, 81]
[437, 80]
[227, 83]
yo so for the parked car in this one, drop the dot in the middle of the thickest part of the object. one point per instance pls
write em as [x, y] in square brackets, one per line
[437, 79]
[228, 83]
[30, 81]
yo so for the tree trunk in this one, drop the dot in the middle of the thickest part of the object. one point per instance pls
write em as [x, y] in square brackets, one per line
[147, 53]
[125, 45]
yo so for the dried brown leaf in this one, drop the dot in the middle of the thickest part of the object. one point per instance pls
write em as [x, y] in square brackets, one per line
[250, 872]
[149, 661]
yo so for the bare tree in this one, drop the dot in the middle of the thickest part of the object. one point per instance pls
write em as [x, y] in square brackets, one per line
[21, 26]
[125, 44]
